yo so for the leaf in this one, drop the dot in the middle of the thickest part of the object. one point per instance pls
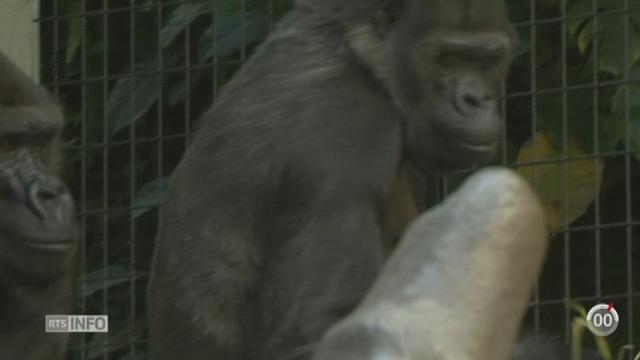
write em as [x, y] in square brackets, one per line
[130, 98]
[579, 121]
[548, 179]
[74, 39]
[549, 115]
[147, 5]
[578, 15]
[179, 19]
[612, 45]
[611, 131]
[619, 103]
[523, 46]
[106, 278]
[231, 33]
[578, 308]
[611, 29]
[585, 38]
[634, 134]
[603, 347]
[616, 129]
[151, 195]
[253, 28]
[74, 36]
[578, 325]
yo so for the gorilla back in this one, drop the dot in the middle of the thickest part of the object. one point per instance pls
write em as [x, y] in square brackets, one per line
[38, 234]
[278, 219]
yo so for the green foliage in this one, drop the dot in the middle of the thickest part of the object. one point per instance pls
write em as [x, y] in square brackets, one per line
[151, 195]
[566, 189]
[595, 48]
[131, 98]
[570, 60]
[578, 327]
[580, 115]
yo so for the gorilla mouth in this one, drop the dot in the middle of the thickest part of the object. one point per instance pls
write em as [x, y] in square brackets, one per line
[33, 232]
[477, 147]
[49, 240]
[461, 154]
[460, 143]
[482, 150]
[58, 245]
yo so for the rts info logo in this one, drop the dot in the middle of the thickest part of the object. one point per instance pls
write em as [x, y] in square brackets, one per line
[76, 323]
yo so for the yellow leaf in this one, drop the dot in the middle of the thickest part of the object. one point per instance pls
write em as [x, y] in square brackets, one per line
[566, 187]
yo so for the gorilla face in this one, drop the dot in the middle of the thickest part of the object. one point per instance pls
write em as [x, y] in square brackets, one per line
[448, 68]
[38, 231]
[37, 209]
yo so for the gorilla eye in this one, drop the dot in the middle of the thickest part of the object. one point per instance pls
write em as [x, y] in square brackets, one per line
[489, 62]
[448, 60]
[7, 146]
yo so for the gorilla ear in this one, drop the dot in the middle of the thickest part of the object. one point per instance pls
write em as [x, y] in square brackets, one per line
[367, 43]
[366, 31]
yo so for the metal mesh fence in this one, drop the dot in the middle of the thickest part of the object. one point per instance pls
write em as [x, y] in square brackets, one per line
[134, 75]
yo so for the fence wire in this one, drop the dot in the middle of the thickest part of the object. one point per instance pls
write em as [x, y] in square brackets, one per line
[134, 75]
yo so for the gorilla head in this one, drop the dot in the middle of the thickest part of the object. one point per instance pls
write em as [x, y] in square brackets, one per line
[38, 231]
[454, 78]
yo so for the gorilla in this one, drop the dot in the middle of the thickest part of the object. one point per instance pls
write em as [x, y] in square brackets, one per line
[280, 214]
[38, 230]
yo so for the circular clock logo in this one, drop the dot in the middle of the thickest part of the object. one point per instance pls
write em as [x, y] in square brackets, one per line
[603, 319]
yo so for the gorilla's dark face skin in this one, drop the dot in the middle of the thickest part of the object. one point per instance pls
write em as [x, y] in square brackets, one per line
[38, 229]
[38, 217]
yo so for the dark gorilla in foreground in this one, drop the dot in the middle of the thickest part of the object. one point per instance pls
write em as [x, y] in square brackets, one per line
[38, 234]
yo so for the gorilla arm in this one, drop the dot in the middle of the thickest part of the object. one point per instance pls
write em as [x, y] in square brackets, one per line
[340, 180]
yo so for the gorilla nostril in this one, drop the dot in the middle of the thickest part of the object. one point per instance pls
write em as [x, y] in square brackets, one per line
[42, 195]
[471, 100]
[46, 194]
